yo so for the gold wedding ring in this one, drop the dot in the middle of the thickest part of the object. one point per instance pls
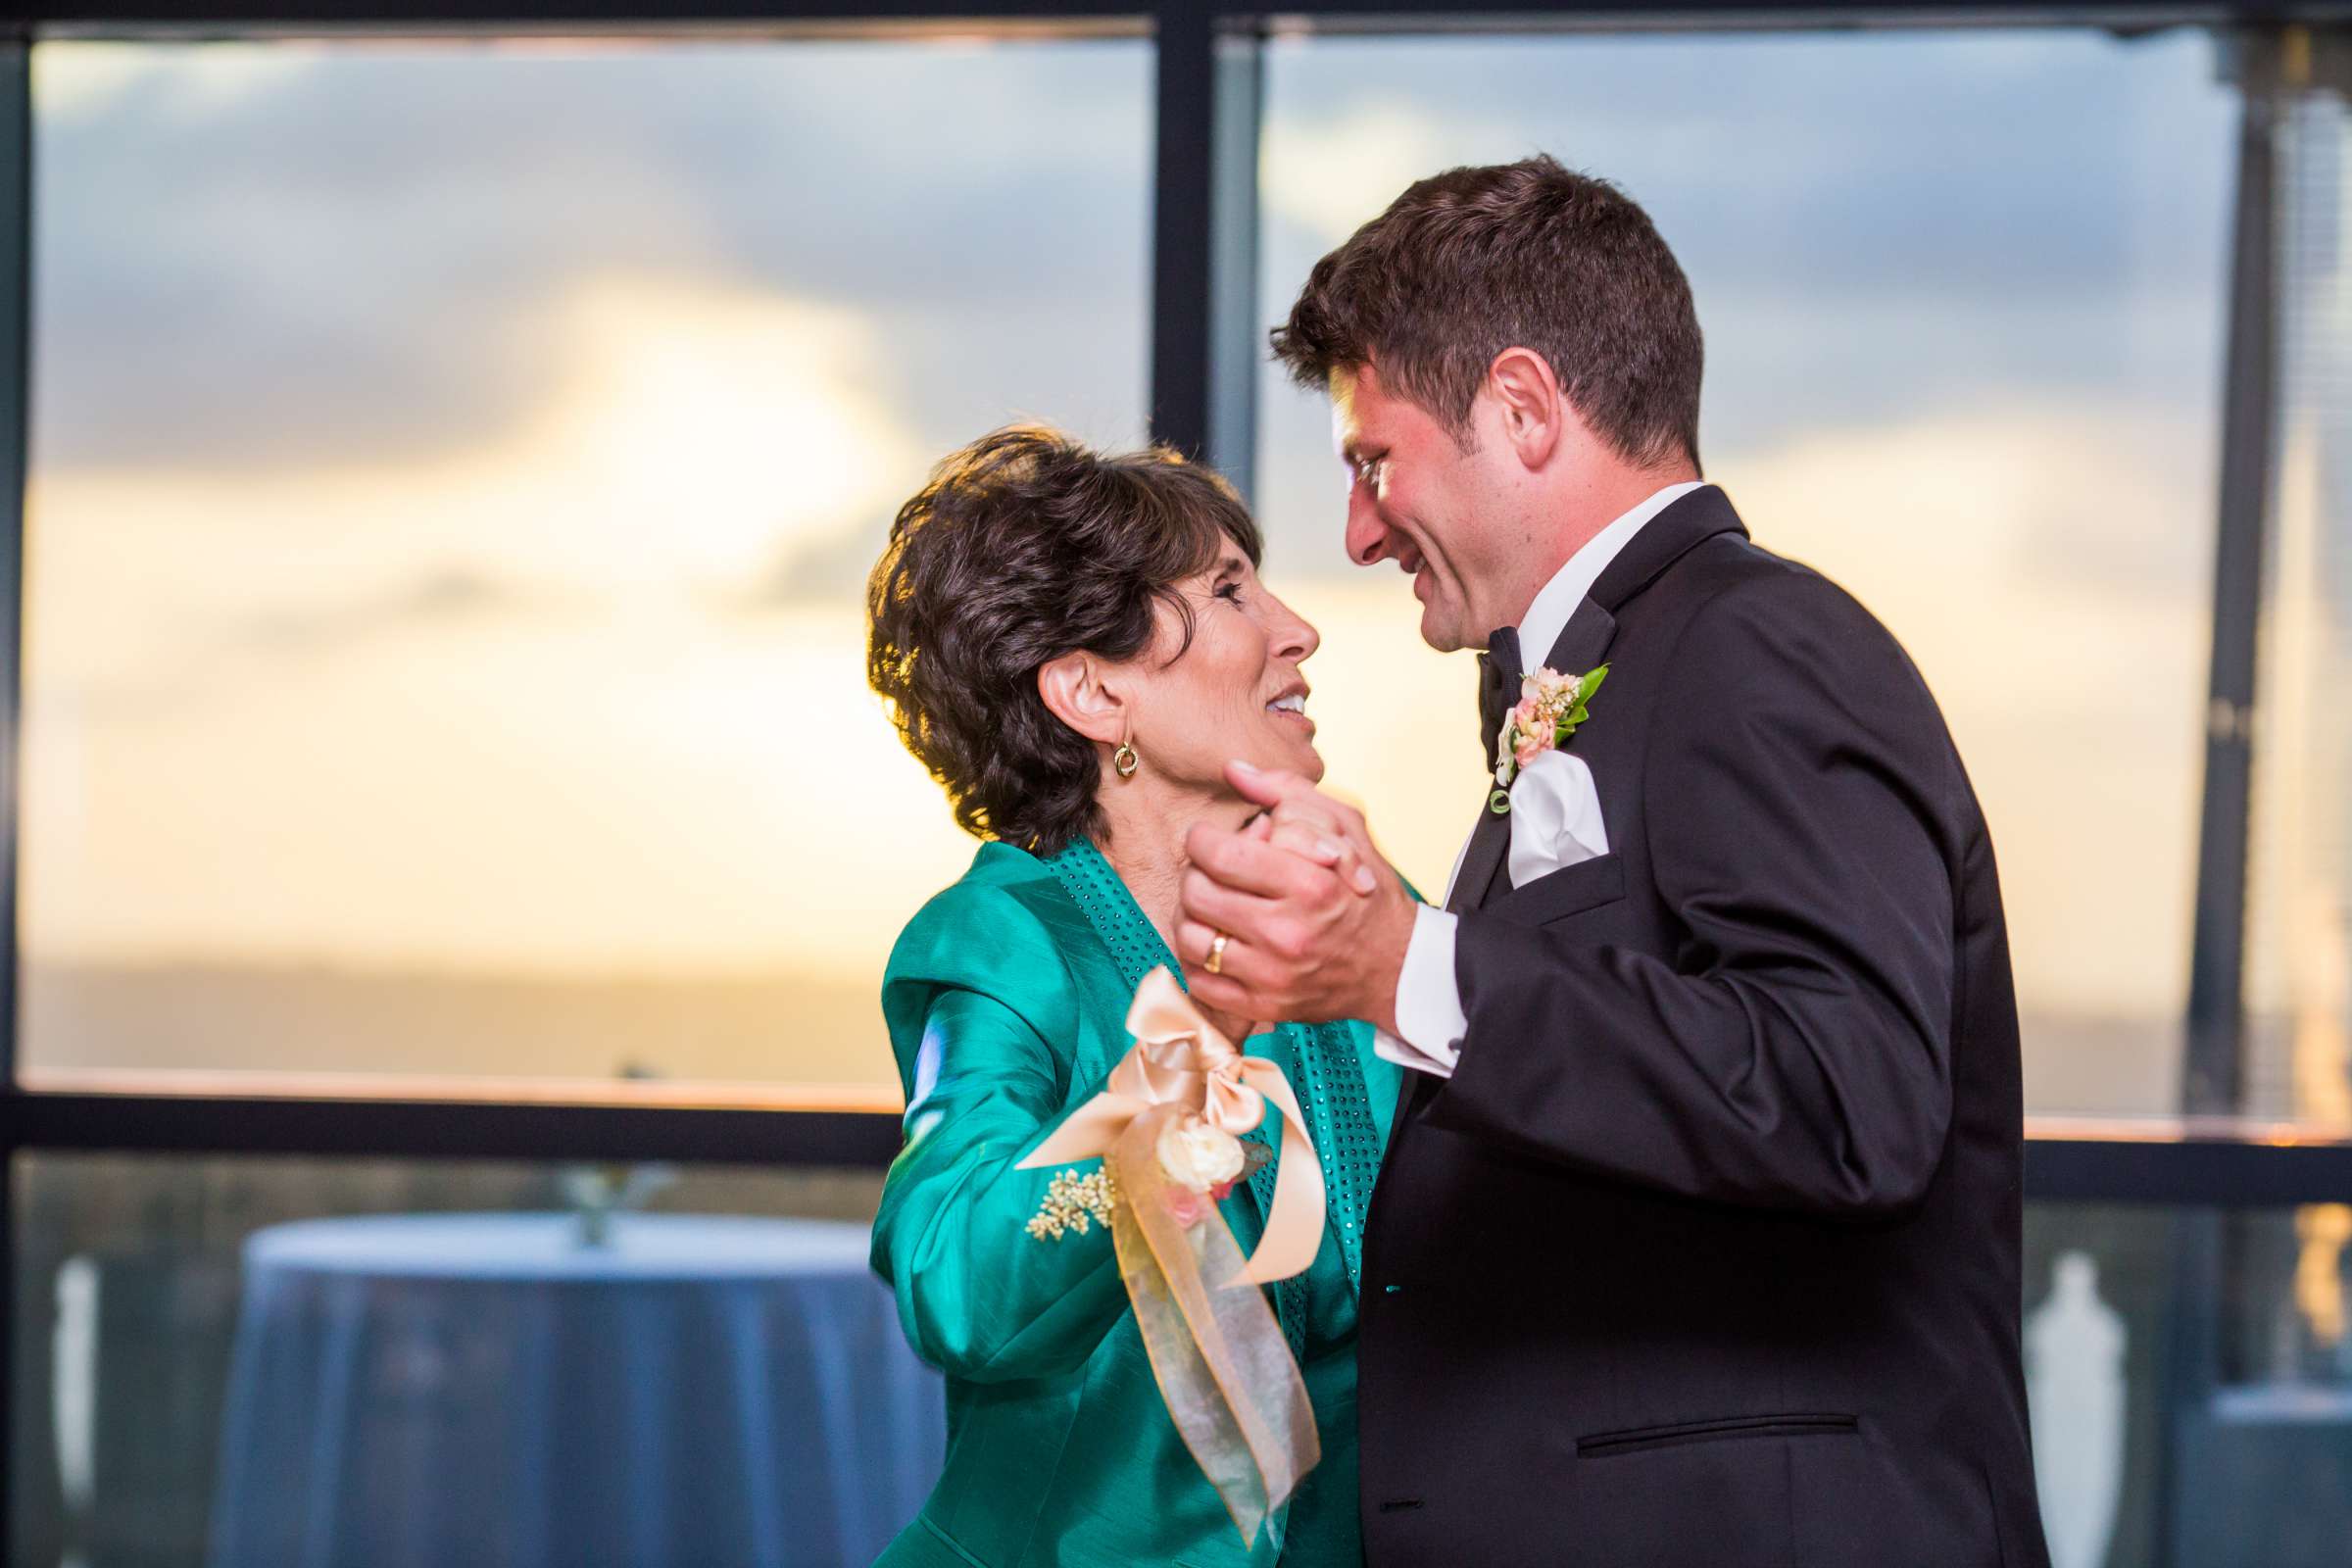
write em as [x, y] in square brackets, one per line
[1216, 954]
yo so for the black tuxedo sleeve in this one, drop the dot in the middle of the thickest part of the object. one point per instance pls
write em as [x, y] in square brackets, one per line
[1787, 1045]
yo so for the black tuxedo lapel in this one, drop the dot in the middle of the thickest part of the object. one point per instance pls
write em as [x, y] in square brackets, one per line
[1663, 540]
[1582, 643]
[1488, 842]
[1585, 640]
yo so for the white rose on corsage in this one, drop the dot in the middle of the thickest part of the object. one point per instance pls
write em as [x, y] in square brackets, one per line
[1203, 1161]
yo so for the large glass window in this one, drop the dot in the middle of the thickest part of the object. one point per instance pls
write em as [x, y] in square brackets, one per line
[2191, 1426]
[263, 1361]
[211, 1355]
[455, 470]
[1963, 297]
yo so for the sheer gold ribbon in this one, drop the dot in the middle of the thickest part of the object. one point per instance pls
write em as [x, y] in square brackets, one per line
[1230, 1384]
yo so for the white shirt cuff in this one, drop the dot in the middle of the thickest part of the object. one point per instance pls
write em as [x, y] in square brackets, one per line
[1429, 1001]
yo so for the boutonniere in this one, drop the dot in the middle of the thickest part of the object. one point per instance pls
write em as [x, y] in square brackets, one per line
[1550, 707]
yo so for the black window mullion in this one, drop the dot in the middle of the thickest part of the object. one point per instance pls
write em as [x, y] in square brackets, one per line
[15, 307]
[420, 1129]
[2173, 1166]
[1183, 216]
[16, 432]
[213, 17]
[2212, 1078]
[1235, 345]
[2213, 1068]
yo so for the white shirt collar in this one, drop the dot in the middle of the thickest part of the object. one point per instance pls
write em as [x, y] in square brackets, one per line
[1548, 615]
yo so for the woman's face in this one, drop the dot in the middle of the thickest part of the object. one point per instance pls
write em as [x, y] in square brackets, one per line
[1236, 692]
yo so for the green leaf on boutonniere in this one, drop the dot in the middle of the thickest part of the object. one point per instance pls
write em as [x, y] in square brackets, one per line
[1585, 685]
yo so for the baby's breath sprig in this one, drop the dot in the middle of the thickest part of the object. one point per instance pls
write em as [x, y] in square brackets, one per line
[1075, 1204]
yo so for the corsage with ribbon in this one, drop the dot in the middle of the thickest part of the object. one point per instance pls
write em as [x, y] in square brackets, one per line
[1169, 1127]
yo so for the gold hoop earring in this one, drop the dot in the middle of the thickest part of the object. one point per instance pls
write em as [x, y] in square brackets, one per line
[1124, 761]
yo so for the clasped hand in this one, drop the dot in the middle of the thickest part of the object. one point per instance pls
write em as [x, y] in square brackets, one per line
[1315, 923]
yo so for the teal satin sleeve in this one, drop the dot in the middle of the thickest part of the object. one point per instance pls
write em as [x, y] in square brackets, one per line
[984, 1027]
[1006, 1001]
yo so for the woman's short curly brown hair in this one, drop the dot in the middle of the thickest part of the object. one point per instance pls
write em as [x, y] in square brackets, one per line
[1023, 547]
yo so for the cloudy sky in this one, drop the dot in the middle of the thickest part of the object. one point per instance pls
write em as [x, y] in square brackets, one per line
[455, 466]
[1961, 295]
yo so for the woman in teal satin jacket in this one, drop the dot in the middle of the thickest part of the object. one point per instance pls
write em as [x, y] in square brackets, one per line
[1075, 645]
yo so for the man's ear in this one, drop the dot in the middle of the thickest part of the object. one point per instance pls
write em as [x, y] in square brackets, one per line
[1529, 409]
[1074, 692]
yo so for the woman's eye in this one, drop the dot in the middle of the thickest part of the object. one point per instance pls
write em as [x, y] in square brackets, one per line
[1231, 591]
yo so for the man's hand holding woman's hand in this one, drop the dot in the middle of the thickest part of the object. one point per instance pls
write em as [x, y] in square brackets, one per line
[1315, 924]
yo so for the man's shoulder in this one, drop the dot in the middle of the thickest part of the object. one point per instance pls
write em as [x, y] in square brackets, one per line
[1749, 627]
[1731, 575]
[1738, 599]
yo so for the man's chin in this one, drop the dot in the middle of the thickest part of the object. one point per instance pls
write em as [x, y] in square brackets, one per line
[1441, 628]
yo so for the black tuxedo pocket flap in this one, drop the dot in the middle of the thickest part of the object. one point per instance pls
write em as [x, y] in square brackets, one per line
[1571, 890]
[1811, 1424]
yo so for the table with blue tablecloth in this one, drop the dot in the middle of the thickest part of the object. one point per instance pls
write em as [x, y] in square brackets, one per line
[443, 1391]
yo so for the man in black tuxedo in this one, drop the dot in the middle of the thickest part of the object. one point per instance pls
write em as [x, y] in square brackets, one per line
[1696, 1243]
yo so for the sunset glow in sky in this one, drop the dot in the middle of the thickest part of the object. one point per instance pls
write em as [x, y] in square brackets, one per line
[455, 466]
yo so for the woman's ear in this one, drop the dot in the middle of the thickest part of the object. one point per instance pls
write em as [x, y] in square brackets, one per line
[1074, 693]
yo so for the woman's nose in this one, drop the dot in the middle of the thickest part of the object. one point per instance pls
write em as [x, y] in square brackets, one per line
[1295, 637]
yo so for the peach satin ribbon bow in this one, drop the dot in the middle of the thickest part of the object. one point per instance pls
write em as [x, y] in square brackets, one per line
[1217, 1352]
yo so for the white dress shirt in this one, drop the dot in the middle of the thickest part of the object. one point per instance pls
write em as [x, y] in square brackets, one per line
[1556, 817]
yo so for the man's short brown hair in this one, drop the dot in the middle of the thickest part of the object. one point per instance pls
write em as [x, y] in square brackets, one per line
[1474, 261]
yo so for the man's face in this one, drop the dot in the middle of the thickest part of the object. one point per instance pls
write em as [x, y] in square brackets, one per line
[1416, 498]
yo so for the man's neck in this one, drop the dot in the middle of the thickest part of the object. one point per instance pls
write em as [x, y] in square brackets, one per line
[1549, 609]
[1583, 514]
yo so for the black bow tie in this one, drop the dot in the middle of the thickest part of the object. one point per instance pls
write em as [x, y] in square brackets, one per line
[1498, 678]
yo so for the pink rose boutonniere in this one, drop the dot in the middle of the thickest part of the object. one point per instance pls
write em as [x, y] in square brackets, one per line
[1550, 707]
